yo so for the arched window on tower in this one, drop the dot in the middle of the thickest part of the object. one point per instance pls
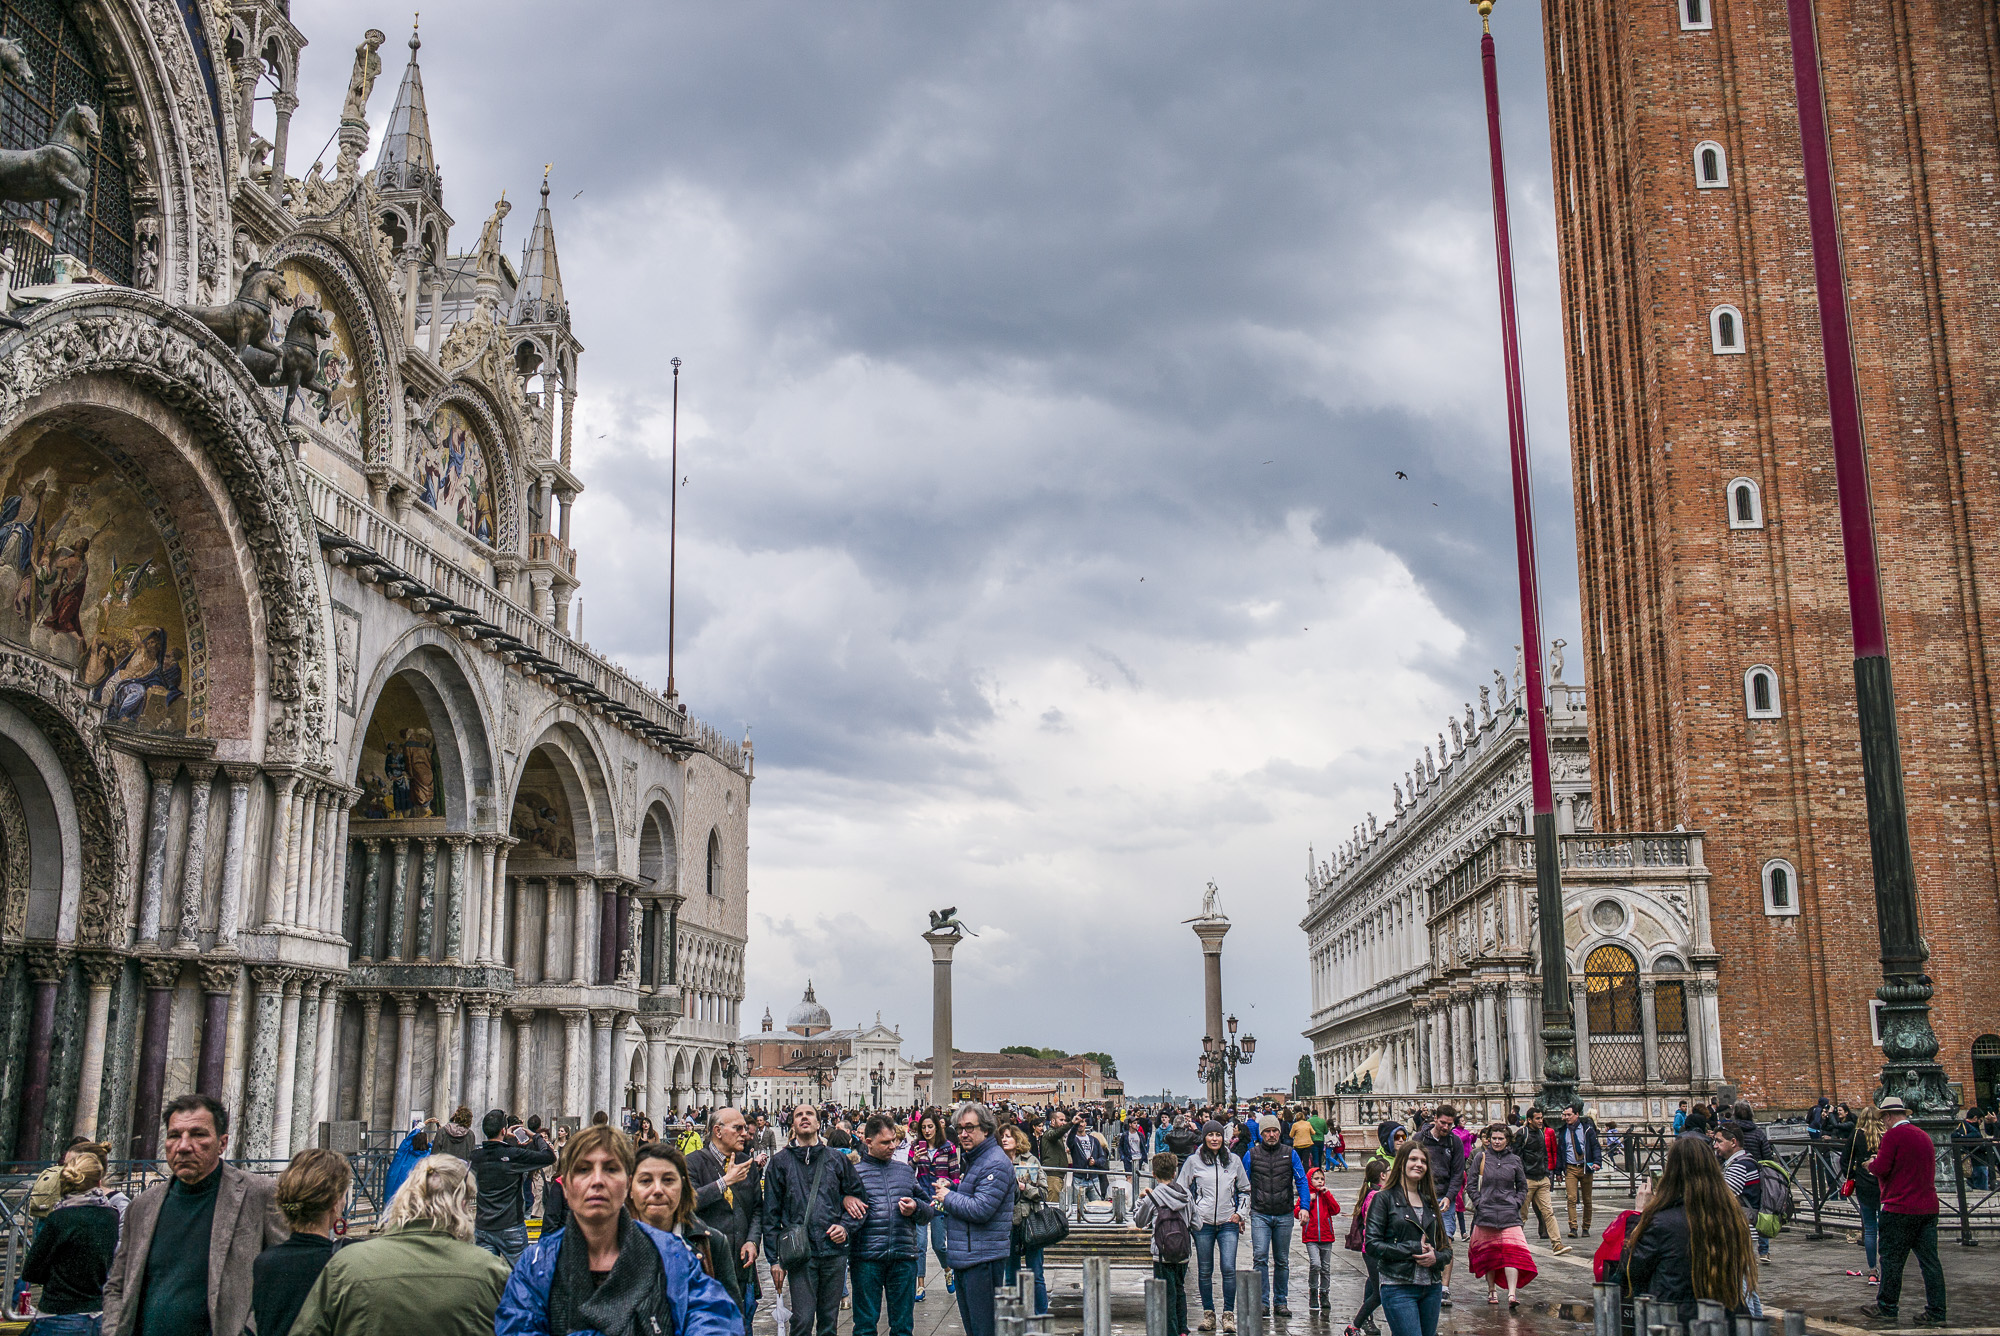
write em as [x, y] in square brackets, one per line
[1760, 693]
[1611, 1000]
[714, 863]
[1781, 889]
[1725, 329]
[1696, 15]
[1746, 504]
[1711, 165]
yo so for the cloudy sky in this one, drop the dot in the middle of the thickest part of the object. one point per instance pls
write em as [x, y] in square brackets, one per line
[1048, 369]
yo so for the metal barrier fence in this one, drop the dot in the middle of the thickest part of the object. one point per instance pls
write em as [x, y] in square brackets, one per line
[1611, 1316]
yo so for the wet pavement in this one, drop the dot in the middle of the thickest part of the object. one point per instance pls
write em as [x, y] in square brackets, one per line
[1806, 1273]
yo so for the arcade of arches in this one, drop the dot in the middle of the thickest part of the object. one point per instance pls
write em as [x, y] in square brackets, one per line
[308, 798]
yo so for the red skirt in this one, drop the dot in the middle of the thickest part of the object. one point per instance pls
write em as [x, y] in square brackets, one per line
[1494, 1250]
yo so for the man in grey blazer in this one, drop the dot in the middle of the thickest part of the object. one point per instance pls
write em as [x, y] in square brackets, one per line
[186, 1247]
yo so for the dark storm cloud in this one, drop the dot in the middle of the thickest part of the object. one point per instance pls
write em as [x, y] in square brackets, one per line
[1023, 339]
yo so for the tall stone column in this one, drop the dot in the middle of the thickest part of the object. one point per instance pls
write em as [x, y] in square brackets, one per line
[370, 930]
[1580, 1010]
[576, 1063]
[454, 911]
[425, 947]
[160, 973]
[260, 1091]
[218, 985]
[298, 879]
[609, 937]
[101, 973]
[502, 911]
[46, 967]
[371, 1054]
[285, 103]
[443, 1089]
[620, 1064]
[1211, 929]
[319, 877]
[478, 1063]
[159, 809]
[491, 901]
[194, 867]
[600, 1062]
[656, 1029]
[580, 935]
[229, 914]
[278, 856]
[305, 1062]
[406, 1052]
[399, 900]
[628, 941]
[942, 945]
[1649, 1027]
[336, 871]
[325, 1072]
[524, 1041]
[283, 1072]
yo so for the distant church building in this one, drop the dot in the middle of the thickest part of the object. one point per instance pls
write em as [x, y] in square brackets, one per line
[810, 1061]
[309, 799]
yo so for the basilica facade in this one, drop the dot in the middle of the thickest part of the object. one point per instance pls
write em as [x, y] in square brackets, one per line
[309, 799]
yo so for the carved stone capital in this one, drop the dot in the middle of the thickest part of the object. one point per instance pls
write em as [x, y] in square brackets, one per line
[219, 976]
[406, 1004]
[201, 771]
[163, 769]
[573, 1019]
[239, 773]
[269, 978]
[521, 1015]
[102, 969]
[48, 964]
[161, 971]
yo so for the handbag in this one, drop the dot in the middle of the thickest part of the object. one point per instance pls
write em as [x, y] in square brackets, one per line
[795, 1244]
[1043, 1227]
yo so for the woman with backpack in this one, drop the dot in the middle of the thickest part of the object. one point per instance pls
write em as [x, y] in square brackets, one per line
[1371, 1297]
[1861, 1183]
[1215, 1181]
[1692, 1241]
[1320, 1210]
[1405, 1233]
[1165, 1209]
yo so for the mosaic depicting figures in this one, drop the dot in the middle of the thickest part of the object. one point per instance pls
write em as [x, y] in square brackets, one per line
[399, 773]
[346, 413]
[541, 820]
[451, 465]
[85, 580]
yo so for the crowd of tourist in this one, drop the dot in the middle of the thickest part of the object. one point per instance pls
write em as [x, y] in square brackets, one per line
[688, 1228]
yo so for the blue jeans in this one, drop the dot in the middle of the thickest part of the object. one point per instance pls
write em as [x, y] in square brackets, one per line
[885, 1282]
[506, 1244]
[1871, 1225]
[67, 1324]
[1271, 1247]
[1206, 1237]
[1034, 1264]
[937, 1242]
[1412, 1310]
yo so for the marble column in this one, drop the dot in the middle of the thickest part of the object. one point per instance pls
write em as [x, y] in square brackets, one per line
[656, 1029]
[424, 948]
[1489, 1024]
[524, 1038]
[478, 1061]
[520, 951]
[496, 1051]
[620, 1065]
[506, 895]
[336, 872]
[160, 974]
[278, 856]
[606, 1080]
[399, 901]
[444, 1089]
[1709, 1032]
[305, 821]
[454, 902]
[554, 969]
[288, 1056]
[229, 914]
[628, 943]
[218, 985]
[194, 866]
[1649, 1027]
[46, 967]
[159, 810]
[576, 1063]
[371, 1054]
[101, 973]
[317, 889]
[608, 935]
[491, 901]
[406, 1052]
[1579, 1007]
[305, 1063]
[371, 900]
[259, 1091]
[582, 944]
[325, 1070]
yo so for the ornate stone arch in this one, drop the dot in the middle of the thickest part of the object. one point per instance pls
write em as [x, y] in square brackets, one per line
[586, 768]
[360, 303]
[80, 356]
[447, 684]
[477, 403]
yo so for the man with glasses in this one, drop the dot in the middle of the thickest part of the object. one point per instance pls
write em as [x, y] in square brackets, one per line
[812, 1185]
[979, 1216]
[728, 1186]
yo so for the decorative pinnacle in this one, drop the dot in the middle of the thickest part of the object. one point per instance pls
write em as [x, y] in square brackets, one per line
[415, 41]
[677, 366]
[1485, 8]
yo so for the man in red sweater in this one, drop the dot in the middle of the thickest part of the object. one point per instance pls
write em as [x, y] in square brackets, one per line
[1906, 1166]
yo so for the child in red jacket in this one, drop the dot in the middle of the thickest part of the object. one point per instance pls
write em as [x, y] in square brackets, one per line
[1318, 1215]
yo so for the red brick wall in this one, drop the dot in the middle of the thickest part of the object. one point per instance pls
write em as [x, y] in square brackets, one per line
[1676, 604]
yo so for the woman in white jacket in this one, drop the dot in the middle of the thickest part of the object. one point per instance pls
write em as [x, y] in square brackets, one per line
[1215, 1181]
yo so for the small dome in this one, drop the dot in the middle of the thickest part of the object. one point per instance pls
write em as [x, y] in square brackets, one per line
[809, 1015]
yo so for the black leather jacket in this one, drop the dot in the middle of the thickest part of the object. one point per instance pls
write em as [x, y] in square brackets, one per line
[1394, 1239]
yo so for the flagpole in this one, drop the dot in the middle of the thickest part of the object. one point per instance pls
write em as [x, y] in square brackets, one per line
[673, 528]
[1558, 1029]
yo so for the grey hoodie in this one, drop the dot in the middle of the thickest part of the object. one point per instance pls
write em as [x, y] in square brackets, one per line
[1168, 1197]
[1219, 1190]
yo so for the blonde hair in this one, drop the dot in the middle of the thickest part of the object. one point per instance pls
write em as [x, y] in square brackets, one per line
[82, 1170]
[313, 1186]
[440, 1190]
[1868, 1128]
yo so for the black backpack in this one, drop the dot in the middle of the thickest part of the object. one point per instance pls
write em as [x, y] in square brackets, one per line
[1171, 1237]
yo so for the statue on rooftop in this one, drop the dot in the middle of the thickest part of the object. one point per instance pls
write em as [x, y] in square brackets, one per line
[367, 66]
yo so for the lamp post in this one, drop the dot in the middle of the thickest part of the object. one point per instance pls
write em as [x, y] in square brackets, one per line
[1558, 1029]
[1219, 1061]
[876, 1078]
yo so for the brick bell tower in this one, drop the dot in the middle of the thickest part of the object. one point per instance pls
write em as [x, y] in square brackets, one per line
[1709, 546]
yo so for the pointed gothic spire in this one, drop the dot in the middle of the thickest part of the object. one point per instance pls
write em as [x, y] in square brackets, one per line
[539, 299]
[407, 143]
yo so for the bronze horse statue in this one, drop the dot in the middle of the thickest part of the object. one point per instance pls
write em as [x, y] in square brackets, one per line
[14, 62]
[296, 365]
[58, 170]
[246, 322]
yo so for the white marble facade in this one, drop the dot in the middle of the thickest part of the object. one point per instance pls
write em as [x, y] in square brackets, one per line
[308, 798]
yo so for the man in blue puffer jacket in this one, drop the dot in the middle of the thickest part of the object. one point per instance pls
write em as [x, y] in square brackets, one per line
[886, 1245]
[978, 1216]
